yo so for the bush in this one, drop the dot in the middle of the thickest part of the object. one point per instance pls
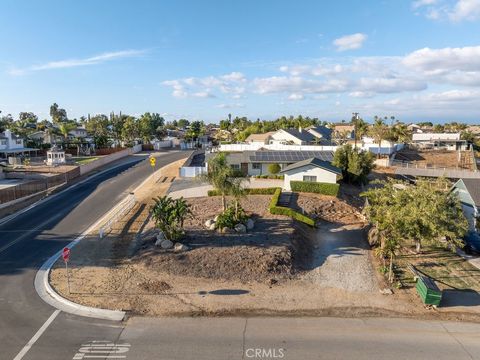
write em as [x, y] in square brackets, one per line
[315, 187]
[280, 210]
[229, 219]
[248, 191]
[280, 177]
[274, 168]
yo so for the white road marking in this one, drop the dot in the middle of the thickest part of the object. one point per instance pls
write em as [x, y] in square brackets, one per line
[103, 350]
[37, 335]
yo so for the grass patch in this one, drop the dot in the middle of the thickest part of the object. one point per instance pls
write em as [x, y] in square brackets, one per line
[281, 210]
[84, 160]
[446, 267]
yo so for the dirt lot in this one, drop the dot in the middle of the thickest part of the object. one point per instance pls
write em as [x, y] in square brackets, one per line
[435, 158]
[277, 269]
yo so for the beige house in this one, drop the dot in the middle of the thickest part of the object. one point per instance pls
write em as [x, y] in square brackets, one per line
[262, 139]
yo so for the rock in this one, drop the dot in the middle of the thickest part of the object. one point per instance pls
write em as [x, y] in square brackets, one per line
[226, 230]
[179, 247]
[250, 224]
[240, 228]
[386, 291]
[166, 244]
[209, 223]
[160, 236]
[213, 226]
[216, 218]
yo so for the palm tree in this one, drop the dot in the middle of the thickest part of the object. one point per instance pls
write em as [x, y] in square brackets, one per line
[220, 175]
[238, 191]
[379, 131]
[361, 128]
[65, 128]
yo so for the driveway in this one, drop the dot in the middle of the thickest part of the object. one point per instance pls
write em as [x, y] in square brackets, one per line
[340, 259]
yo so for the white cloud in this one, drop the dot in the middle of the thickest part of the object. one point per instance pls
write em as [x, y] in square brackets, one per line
[295, 97]
[70, 63]
[203, 94]
[230, 106]
[350, 42]
[438, 61]
[465, 10]
[453, 10]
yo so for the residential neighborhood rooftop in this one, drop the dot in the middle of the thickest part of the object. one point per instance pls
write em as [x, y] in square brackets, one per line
[315, 162]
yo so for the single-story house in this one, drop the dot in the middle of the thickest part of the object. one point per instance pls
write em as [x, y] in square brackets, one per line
[257, 162]
[310, 170]
[468, 192]
[447, 141]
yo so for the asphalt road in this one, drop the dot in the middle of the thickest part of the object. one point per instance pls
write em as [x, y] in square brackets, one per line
[28, 240]
[31, 238]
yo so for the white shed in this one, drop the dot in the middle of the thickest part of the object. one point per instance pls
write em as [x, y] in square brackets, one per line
[311, 170]
[55, 156]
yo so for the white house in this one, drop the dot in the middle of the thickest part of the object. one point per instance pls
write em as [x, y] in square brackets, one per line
[311, 170]
[11, 144]
[78, 132]
[292, 136]
[447, 141]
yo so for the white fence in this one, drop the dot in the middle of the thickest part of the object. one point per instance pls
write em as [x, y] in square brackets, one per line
[109, 158]
[192, 171]
[253, 147]
[116, 213]
[157, 145]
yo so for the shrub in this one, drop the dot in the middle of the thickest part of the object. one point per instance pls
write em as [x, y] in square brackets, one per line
[274, 168]
[248, 191]
[231, 217]
[280, 210]
[315, 187]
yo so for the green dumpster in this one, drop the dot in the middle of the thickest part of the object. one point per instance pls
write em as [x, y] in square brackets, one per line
[428, 291]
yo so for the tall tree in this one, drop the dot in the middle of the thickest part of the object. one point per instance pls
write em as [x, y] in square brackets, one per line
[58, 115]
[379, 132]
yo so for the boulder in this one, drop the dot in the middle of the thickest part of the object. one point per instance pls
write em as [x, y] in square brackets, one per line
[209, 223]
[216, 218]
[240, 228]
[213, 226]
[250, 224]
[166, 244]
[160, 236]
[179, 247]
[225, 230]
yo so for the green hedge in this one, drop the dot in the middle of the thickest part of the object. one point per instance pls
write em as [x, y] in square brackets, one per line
[248, 191]
[280, 210]
[315, 187]
[279, 177]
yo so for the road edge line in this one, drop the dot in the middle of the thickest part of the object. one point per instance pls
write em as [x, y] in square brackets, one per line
[51, 297]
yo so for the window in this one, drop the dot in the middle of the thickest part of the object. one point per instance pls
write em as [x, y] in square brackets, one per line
[235, 166]
[18, 142]
[309, 178]
[3, 142]
[256, 166]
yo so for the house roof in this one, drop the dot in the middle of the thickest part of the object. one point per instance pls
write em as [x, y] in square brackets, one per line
[473, 188]
[286, 157]
[302, 135]
[259, 137]
[436, 136]
[325, 132]
[313, 162]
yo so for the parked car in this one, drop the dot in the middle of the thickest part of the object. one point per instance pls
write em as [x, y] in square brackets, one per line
[472, 242]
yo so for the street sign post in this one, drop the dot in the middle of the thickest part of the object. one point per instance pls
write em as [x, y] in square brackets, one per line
[66, 257]
[153, 161]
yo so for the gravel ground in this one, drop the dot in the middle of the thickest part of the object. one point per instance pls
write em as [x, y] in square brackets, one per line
[341, 259]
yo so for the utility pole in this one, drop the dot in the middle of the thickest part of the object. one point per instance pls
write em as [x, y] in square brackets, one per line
[355, 119]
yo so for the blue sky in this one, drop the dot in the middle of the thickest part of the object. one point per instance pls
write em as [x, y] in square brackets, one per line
[416, 60]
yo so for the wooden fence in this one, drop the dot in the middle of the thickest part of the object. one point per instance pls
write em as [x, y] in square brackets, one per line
[35, 186]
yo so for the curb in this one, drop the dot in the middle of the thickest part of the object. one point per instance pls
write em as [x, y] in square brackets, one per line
[51, 297]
